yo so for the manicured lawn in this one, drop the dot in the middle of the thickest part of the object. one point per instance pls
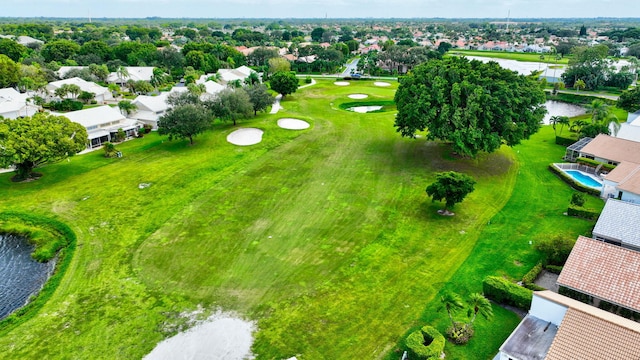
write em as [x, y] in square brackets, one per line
[529, 57]
[324, 236]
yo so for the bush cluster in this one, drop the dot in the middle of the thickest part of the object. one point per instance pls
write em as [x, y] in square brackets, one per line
[66, 105]
[529, 278]
[581, 212]
[503, 291]
[564, 141]
[556, 269]
[425, 343]
[593, 163]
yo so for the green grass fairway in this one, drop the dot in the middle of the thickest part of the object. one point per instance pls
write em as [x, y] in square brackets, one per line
[528, 57]
[324, 236]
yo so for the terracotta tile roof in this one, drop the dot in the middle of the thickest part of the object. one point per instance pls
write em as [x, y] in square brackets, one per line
[631, 183]
[585, 336]
[611, 148]
[606, 271]
[622, 171]
[587, 332]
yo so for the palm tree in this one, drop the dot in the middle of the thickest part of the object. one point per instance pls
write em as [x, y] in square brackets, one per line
[598, 109]
[579, 85]
[123, 74]
[479, 305]
[127, 106]
[553, 121]
[612, 122]
[577, 125]
[452, 303]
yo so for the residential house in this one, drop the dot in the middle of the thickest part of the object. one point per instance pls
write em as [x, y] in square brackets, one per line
[102, 94]
[136, 73]
[623, 182]
[14, 104]
[23, 40]
[150, 109]
[63, 70]
[102, 124]
[604, 272]
[613, 225]
[225, 76]
[560, 328]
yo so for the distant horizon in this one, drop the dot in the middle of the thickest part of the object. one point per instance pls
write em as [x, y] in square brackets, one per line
[316, 18]
[321, 9]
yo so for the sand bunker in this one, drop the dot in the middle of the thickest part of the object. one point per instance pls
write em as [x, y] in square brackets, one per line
[245, 137]
[341, 83]
[358, 96]
[293, 124]
[221, 337]
[381, 83]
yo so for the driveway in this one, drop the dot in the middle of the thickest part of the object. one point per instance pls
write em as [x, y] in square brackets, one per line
[353, 65]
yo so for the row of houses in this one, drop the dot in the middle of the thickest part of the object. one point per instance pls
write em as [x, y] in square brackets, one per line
[104, 122]
[598, 319]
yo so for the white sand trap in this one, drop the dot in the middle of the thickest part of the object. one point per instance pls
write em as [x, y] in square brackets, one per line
[381, 83]
[293, 124]
[358, 96]
[221, 337]
[341, 83]
[245, 137]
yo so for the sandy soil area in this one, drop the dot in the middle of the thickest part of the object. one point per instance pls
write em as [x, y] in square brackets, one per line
[358, 96]
[293, 124]
[245, 137]
[341, 83]
[381, 83]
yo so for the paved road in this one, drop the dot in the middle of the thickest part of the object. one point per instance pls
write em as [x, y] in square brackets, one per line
[350, 67]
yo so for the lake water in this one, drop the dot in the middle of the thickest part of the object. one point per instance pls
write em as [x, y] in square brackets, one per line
[20, 275]
[557, 108]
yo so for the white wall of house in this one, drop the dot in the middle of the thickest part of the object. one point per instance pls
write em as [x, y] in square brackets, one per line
[609, 187]
[630, 197]
[547, 310]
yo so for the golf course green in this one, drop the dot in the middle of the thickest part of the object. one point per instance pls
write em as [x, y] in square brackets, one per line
[324, 236]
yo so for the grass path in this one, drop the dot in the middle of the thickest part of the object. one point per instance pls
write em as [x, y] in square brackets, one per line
[324, 236]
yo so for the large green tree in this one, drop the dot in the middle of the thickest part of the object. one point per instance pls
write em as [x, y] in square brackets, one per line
[29, 142]
[474, 105]
[59, 50]
[284, 82]
[452, 187]
[232, 105]
[185, 122]
[9, 72]
[12, 49]
[630, 100]
[260, 97]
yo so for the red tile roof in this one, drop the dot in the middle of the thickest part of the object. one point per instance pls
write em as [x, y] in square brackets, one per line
[606, 271]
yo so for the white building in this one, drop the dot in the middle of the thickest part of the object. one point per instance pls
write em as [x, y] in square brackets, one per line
[102, 124]
[238, 74]
[150, 109]
[14, 104]
[136, 73]
[102, 94]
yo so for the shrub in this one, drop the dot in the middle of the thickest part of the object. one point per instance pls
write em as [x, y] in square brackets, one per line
[503, 291]
[94, 101]
[553, 269]
[555, 250]
[147, 128]
[425, 343]
[531, 276]
[593, 163]
[564, 141]
[66, 105]
[582, 212]
[577, 199]
[110, 150]
[307, 80]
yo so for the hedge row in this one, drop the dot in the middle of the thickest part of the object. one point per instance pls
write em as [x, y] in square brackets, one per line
[581, 212]
[67, 241]
[416, 343]
[531, 276]
[503, 291]
[569, 180]
[556, 269]
[589, 162]
[564, 141]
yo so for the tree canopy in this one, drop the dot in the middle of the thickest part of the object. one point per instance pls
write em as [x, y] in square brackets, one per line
[452, 187]
[29, 142]
[260, 97]
[284, 82]
[9, 72]
[630, 100]
[185, 121]
[477, 106]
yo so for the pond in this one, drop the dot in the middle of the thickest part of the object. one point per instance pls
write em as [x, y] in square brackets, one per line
[20, 275]
[365, 109]
[557, 108]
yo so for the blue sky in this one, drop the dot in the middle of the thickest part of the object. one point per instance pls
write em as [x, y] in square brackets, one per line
[320, 8]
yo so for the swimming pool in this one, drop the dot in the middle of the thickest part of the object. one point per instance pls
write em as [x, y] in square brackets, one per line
[584, 179]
